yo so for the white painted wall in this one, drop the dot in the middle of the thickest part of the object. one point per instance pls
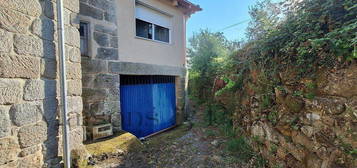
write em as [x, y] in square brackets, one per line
[133, 49]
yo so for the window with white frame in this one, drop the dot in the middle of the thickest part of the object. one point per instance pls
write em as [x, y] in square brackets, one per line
[152, 24]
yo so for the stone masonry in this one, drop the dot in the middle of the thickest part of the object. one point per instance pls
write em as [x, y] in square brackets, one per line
[100, 87]
[30, 120]
[30, 128]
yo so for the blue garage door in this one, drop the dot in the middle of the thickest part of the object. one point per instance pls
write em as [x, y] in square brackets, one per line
[148, 103]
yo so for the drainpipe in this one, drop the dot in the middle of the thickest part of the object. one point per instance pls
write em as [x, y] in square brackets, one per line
[61, 44]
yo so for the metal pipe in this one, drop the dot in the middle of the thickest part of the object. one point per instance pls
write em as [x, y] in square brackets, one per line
[61, 44]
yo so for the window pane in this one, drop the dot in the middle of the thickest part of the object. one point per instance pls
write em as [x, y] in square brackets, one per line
[143, 29]
[162, 34]
[83, 31]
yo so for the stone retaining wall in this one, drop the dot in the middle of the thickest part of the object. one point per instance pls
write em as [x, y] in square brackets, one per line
[309, 123]
[30, 131]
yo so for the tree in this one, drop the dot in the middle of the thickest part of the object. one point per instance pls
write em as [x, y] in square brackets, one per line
[207, 54]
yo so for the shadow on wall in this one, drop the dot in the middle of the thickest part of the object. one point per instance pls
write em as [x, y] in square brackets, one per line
[45, 28]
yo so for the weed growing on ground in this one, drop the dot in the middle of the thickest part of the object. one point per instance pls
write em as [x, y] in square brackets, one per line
[241, 147]
[211, 133]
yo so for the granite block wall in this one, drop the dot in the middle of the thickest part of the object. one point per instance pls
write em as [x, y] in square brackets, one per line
[100, 86]
[30, 131]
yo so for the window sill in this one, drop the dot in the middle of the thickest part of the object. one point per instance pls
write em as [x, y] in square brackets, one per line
[161, 42]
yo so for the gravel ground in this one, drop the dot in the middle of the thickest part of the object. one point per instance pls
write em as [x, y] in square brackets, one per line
[187, 146]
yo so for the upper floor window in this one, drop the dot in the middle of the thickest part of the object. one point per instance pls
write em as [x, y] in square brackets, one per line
[143, 29]
[152, 24]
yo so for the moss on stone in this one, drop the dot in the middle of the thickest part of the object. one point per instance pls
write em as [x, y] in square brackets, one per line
[125, 142]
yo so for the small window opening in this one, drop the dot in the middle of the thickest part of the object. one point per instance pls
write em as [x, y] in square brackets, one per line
[84, 32]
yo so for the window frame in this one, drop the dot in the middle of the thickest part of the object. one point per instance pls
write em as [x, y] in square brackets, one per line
[86, 37]
[154, 28]
[137, 2]
[153, 32]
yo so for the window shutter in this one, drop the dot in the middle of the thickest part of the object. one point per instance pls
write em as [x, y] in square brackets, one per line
[152, 16]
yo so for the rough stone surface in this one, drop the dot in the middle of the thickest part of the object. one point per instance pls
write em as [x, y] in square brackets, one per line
[27, 113]
[308, 130]
[101, 4]
[107, 54]
[114, 42]
[25, 44]
[74, 54]
[49, 9]
[104, 108]
[14, 21]
[72, 5]
[113, 94]
[76, 136]
[88, 80]
[72, 36]
[6, 41]
[34, 160]
[4, 122]
[106, 81]
[75, 104]
[116, 119]
[93, 66]
[92, 94]
[32, 134]
[44, 28]
[87, 10]
[34, 90]
[50, 109]
[19, 66]
[75, 120]
[74, 71]
[144, 69]
[313, 116]
[105, 29]
[342, 83]
[74, 87]
[101, 39]
[100, 87]
[110, 17]
[257, 130]
[50, 147]
[8, 150]
[10, 91]
[28, 151]
[331, 105]
[28, 40]
[28, 7]
[49, 68]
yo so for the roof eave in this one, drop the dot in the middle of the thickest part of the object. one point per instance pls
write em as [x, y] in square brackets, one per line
[187, 6]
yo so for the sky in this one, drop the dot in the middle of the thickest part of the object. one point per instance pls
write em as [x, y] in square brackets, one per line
[219, 14]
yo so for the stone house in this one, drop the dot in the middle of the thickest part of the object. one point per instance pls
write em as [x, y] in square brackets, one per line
[107, 41]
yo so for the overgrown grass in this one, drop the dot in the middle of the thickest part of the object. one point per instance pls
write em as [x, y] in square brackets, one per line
[244, 152]
[241, 148]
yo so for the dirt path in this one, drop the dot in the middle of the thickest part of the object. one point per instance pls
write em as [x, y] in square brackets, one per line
[191, 145]
[183, 147]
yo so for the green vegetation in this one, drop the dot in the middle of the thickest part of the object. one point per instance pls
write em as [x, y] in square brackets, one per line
[241, 147]
[287, 42]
